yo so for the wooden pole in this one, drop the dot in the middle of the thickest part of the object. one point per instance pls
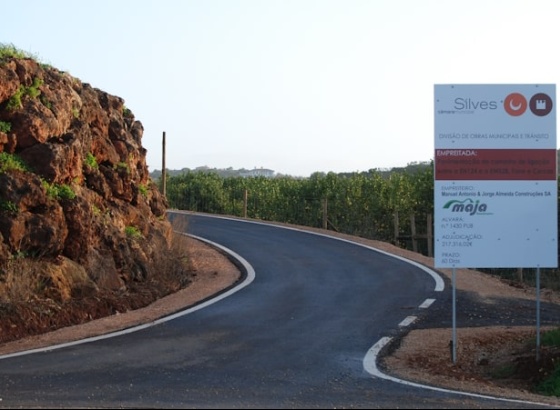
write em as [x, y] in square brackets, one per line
[163, 173]
[325, 214]
[396, 228]
[245, 200]
[430, 235]
[413, 233]
[520, 275]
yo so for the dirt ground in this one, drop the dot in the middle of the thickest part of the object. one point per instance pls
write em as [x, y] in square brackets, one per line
[491, 360]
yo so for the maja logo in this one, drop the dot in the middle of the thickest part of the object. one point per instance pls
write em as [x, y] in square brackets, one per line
[467, 206]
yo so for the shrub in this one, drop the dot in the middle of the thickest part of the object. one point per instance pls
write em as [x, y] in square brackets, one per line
[11, 162]
[132, 232]
[91, 161]
[10, 51]
[32, 91]
[58, 191]
[143, 190]
[551, 385]
[122, 165]
[66, 192]
[8, 206]
[5, 127]
[15, 100]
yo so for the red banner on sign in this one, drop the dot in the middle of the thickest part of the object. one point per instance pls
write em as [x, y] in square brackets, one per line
[495, 164]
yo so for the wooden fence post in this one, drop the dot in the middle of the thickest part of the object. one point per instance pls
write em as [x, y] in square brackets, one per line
[413, 233]
[414, 236]
[325, 214]
[430, 235]
[396, 228]
[245, 200]
[163, 172]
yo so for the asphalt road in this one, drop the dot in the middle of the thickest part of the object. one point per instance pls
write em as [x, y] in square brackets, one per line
[299, 333]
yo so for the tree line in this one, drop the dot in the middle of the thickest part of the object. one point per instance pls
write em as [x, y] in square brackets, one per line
[362, 204]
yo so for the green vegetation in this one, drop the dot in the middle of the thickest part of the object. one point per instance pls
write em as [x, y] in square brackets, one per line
[66, 192]
[143, 189]
[362, 204]
[10, 51]
[8, 206]
[45, 102]
[132, 232]
[33, 90]
[550, 386]
[504, 372]
[15, 101]
[11, 162]
[122, 166]
[5, 127]
[59, 191]
[75, 112]
[91, 161]
[551, 338]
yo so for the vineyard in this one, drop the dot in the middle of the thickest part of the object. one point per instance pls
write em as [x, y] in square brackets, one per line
[395, 207]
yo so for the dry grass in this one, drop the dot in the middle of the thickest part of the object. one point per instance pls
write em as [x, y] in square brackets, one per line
[39, 296]
[20, 280]
[173, 267]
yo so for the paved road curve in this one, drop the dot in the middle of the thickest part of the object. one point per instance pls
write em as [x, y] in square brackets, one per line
[295, 337]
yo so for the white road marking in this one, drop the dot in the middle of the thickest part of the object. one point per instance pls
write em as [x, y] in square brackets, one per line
[407, 321]
[248, 279]
[427, 303]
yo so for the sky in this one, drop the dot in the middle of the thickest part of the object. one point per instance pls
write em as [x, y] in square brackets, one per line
[295, 86]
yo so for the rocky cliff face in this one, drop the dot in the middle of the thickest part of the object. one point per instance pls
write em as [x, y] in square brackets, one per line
[74, 186]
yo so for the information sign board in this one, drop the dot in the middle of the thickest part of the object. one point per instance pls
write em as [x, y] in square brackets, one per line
[495, 176]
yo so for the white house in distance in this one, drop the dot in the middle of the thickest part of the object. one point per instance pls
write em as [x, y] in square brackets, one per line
[258, 172]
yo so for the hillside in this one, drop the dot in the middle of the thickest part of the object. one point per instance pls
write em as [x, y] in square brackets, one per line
[83, 230]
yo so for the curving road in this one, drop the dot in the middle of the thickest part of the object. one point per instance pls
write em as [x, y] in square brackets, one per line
[302, 332]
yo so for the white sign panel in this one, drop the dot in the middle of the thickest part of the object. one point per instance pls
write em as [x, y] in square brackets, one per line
[495, 176]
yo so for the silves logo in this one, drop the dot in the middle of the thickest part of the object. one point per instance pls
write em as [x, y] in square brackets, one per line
[516, 104]
[467, 206]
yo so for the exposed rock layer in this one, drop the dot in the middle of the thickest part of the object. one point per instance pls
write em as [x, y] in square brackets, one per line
[83, 203]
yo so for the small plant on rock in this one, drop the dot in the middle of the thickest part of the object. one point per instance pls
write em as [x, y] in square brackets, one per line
[15, 101]
[8, 206]
[143, 189]
[5, 127]
[11, 162]
[91, 161]
[132, 232]
[59, 191]
[122, 165]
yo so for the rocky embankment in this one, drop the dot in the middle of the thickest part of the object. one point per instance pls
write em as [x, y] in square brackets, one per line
[79, 215]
